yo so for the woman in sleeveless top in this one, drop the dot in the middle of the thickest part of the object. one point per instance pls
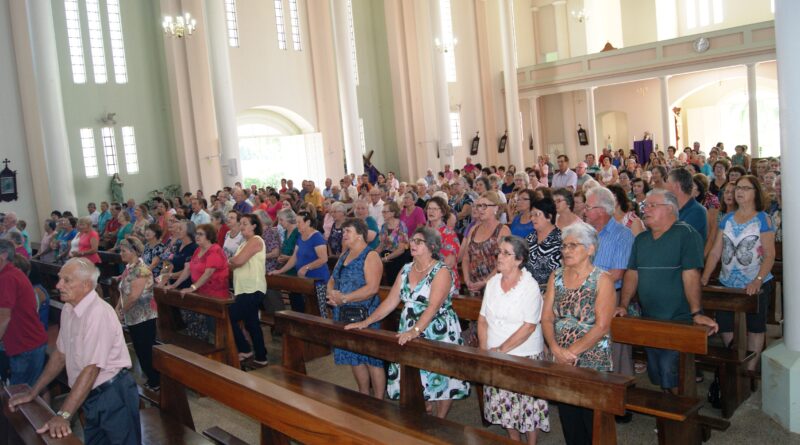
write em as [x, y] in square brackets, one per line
[249, 288]
[482, 243]
[576, 319]
[425, 288]
[354, 284]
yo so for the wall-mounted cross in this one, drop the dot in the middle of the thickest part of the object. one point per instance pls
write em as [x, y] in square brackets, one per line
[6, 162]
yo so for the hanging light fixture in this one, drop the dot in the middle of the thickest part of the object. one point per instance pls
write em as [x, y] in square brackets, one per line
[179, 26]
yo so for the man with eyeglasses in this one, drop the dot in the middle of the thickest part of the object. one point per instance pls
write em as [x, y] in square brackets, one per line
[564, 177]
[679, 182]
[664, 269]
[376, 205]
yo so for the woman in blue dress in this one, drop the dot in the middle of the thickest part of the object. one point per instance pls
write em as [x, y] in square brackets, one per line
[353, 285]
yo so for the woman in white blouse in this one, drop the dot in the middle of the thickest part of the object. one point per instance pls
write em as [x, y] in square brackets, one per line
[509, 323]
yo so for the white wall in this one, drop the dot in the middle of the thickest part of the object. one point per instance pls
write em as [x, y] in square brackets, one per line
[12, 130]
[640, 100]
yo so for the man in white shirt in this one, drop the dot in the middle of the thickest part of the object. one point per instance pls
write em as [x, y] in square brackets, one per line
[376, 205]
[564, 177]
[93, 213]
[394, 184]
[199, 214]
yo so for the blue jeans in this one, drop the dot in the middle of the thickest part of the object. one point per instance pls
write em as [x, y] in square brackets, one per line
[28, 366]
[662, 367]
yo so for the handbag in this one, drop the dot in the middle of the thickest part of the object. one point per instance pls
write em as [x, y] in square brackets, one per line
[353, 314]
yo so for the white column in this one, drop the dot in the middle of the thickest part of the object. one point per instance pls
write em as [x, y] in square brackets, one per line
[780, 364]
[562, 28]
[665, 114]
[535, 21]
[536, 131]
[43, 105]
[591, 123]
[222, 86]
[440, 86]
[347, 88]
[508, 45]
[752, 102]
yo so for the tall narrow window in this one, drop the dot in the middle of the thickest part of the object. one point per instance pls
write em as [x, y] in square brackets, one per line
[110, 150]
[233, 25]
[448, 41]
[279, 23]
[89, 153]
[96, 41]
[352, 31]
[117, 43]
[700, 13]
[363, 138]
[691, 14]
[294, 16]
[75, 41]
[129, 143]
[455, 129]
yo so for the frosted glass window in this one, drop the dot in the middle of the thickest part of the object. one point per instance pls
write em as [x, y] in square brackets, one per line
[232, 22]
[89, 153]
[110, 150]
[96, 41]
[352, 31]
[455, 129]
[129, 144]
[73, 20]
[716, 8]
[279, 23]
[294, 16]
[691, 14]
[117, 43]
[700, 13]
[448, 41]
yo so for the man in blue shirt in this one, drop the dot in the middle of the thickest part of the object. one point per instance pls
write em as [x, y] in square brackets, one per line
[679, 182]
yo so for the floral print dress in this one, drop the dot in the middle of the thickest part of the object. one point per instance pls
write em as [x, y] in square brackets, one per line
[145, 307]
[444, 327]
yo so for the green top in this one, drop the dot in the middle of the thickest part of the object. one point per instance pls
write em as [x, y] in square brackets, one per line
[287, 248]
[125, 231]
[660, 263]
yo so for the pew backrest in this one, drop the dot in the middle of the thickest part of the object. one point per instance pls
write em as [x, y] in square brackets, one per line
[27, 419]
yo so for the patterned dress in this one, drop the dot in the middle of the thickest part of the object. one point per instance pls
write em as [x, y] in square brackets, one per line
[575, 316]
[347, 278]
[390, 240]
[335, 240]
[450, 247]
[145, 307]
[544, 258]
[483, 255]
[457, 203]
[151, 252]
[444, 327]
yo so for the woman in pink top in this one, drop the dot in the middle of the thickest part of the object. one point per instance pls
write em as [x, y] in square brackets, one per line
[411, 215]
[88, 241]
[274, 205]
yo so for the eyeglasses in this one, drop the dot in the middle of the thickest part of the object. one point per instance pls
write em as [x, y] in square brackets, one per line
[484, 206]
[587, 208]
[652, 205]
[744, 188]
[505, 253]
[200, 234]
[418, 241]
[570, 246]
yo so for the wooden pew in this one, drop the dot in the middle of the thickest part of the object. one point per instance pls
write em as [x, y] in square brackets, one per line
[223, 349]
[297, 285]
[605, 393]
[20, 427]
[734, 384]
[291, 405]
[110, 266]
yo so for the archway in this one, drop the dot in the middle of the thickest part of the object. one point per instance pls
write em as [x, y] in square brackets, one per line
[612, 129]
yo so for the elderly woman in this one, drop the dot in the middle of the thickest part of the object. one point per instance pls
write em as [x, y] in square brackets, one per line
[66, 235]
[136, 308]
[310, 259]
[361, 211]
[218, 221]
[482, 243]
[49, 245]
[233, 239]
[353, 293]
[461, 205]
[544, 251]
[336, 234]
[411, 215]
[393, 247]
[576, 320]
[720, 176]
[249, 288]
[438, 213]
[125, 229]
[746, 242]
[608, 173]
[509, 323]
[521, 225]
[425, 287]
[153, 249]
[88, 241]
[565, 204]
[142, 220]
[180, 253]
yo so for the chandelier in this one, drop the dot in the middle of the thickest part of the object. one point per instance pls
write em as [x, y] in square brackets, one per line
[179, 26]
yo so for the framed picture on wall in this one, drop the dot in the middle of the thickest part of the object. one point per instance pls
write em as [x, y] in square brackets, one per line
[8, 183]
[583, 139]
[476, 141]
[503, 141]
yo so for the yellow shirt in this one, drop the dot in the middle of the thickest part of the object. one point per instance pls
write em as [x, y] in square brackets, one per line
[314, 197]
[250, 277]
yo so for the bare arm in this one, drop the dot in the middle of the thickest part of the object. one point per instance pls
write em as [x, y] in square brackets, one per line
[137, 287]
[53, 368]
[200, 281]
[440, 287]
[713, 259]
[483, 332]
[373, 271]
[322, 260]
[251, 247]
[629, 285]
[386, 307]
[289, 264]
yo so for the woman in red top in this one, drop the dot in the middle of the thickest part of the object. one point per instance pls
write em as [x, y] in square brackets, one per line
[274, 205]
[88, 241]
[220, 228]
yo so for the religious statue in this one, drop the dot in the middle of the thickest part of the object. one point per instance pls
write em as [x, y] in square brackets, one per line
[116, 189]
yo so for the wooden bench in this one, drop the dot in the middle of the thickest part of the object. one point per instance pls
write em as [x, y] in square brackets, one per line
[223, 349]
[20, 427]
[605, 393]
[291, 405]
[288, 284]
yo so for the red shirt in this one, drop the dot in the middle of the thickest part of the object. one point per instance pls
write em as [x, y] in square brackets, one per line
[273, 211]
[25, 332]
[223, 230]
[217, 285]
[85, 244]
[112, 226]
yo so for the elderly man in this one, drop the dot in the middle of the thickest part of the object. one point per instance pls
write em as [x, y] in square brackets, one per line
[9, 225]
[591, 165]
[131, 208]
[564, 178]
[664, 269]
[679, 182]
[103, 217]
[20, 329]
[92, 348]
[580, 172]
[313, 195]
[376, 205]
[349, 191]
[199, 214]
[327, 192]
[242, 206]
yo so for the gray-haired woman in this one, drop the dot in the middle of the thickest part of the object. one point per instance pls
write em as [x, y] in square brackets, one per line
[425, 287]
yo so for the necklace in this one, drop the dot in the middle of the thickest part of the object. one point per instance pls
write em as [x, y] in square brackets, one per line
[424, 269]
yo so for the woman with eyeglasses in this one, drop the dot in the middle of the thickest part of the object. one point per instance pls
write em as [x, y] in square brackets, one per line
[544, 243]
[310, 259]
[565, 204]
[576, 320]
[482, 244]
[509, 323]
[521, 225]
[438, 212]
[339, 214]
[361, 211]
[745, 241]
[425, 288]
[393, 247]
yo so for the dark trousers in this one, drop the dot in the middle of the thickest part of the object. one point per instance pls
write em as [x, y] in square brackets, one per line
[576, 422]
[245, 309]
[112, 415]
[143, 336]
[297, 302]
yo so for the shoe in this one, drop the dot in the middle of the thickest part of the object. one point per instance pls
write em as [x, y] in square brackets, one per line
[154, 388]
[624, 419]
[261, 363]
[245, 355]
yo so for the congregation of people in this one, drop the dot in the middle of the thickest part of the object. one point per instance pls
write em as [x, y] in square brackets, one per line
[555, 252]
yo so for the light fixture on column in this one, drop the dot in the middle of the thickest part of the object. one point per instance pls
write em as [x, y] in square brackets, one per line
[446, 46]
[179, 26]
[581, 16]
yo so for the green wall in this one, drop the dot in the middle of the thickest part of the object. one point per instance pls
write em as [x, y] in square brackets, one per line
[143, 103]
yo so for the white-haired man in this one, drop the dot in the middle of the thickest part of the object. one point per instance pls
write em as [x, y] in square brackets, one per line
[92, 348]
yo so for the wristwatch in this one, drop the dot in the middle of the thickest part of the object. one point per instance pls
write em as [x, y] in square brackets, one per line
[700, 312]
[64, 414]
[760, 278]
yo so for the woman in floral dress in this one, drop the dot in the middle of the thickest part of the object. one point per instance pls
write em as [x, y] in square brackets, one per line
[425, 287]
